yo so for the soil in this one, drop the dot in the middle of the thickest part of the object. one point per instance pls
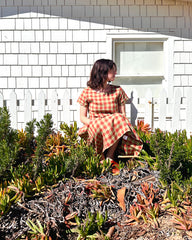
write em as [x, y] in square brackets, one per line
[55, 209]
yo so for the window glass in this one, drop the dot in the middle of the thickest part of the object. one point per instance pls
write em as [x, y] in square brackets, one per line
[139, 58]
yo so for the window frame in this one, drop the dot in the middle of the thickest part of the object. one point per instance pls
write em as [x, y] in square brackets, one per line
[138, 41]
[168, 42]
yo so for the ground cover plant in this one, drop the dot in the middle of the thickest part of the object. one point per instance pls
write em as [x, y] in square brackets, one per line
[54, 186]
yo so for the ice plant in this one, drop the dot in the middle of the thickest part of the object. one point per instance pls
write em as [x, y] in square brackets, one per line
[147, 207]
[182, 222]
[39, 184]
[37, 230]
[152, 214]
[173, 198]
[24, 184]
[99, 191]
[90, 226]
[135, 214]
[55, 144]
[8, 196]
[143, 127]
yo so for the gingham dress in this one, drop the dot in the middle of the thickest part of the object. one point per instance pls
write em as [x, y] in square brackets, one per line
[108, 125]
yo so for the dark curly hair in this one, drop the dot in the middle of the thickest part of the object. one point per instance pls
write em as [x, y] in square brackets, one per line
[99, 73]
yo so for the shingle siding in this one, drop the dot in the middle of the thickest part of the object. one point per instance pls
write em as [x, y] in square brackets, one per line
[53, 44]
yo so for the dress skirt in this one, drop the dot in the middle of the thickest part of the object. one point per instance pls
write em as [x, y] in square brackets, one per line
[102, 133]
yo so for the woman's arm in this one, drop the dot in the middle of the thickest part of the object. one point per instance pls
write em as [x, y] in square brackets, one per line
[83, 115]
[122, 109]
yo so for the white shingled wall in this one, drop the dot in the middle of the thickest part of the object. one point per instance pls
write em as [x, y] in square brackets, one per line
[48, 45]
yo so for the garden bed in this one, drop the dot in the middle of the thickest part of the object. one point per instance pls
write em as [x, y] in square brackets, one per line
[57, 207]
[54, 186]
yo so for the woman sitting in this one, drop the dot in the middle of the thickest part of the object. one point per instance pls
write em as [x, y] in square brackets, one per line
[102, 111]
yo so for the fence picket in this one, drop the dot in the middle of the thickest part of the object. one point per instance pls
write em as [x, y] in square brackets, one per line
[28, 108]
[1, 100]
[148, 104]
[162, 109]
[41, 105]
[13, 109]
[189, 112]
[79, 123]
[66, 107]
[176, 110]
[54, 109]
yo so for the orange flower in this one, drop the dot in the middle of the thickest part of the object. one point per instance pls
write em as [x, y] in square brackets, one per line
[143, 127]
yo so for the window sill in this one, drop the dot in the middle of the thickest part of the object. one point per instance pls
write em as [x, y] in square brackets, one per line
[139, 79]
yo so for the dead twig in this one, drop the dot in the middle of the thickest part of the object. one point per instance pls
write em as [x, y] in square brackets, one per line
[29, 210]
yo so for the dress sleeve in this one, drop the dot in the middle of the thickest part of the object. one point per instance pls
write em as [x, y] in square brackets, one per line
[122, 97]
[83, 100]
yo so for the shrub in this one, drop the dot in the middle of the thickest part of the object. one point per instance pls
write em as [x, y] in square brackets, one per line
[9, 146]
[44, 129]
[173, 155]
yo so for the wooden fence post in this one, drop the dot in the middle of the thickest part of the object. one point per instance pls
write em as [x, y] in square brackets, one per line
[41, 105]
[148, 108]
[13, 109]
[1, 100]
[54, 109]
[162, 110]
[189, 112]
[176, 110]
[66, 107]
[79, 123]
[28, 108]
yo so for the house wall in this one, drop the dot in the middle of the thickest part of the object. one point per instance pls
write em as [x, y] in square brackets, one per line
[48, 45]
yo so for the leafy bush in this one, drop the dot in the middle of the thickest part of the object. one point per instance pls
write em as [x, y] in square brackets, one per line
[88, 161]
[174, 155]
[44, 129]
[9, 146]
[27, 140]
[170, 153]
[70, 133]
[69, 156]
[81, 160]
[46, 158]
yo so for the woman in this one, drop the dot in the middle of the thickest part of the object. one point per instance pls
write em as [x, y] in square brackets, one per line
[102, 111]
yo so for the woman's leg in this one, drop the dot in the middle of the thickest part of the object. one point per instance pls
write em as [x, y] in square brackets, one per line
[111, 151]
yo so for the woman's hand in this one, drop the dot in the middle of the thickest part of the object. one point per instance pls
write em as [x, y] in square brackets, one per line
[83, 115]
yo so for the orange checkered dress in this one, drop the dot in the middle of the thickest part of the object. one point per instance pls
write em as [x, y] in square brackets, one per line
[108, 125]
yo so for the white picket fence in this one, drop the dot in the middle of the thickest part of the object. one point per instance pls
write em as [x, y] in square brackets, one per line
[163, 112]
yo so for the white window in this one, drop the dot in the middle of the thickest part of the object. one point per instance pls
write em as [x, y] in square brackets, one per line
[139, 58]
[139, 61]
[144, 61]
